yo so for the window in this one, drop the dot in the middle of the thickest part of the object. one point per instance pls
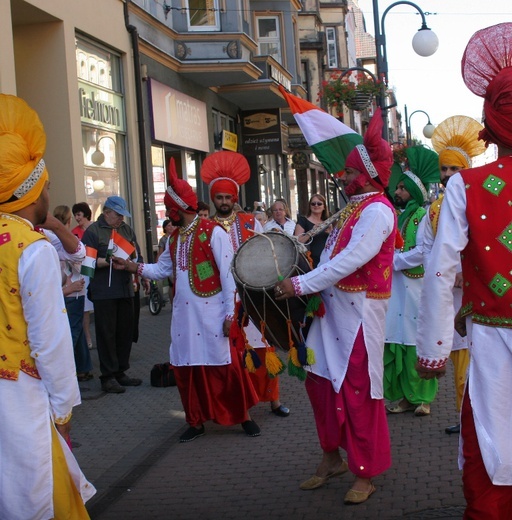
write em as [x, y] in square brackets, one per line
[332, 55]
[203, 15]
[269, 40]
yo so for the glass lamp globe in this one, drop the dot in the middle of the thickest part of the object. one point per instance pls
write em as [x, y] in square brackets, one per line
[98, 185]
[425, 42]
[428, 130]
[98, 157]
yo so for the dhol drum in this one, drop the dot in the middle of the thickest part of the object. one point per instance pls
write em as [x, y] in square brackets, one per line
[260, 262]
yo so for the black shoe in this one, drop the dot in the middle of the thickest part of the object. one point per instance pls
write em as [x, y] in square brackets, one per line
[124, 380]
[453, 429]
[111, 386]
[251, 428]
[192, 433]
[281, 411]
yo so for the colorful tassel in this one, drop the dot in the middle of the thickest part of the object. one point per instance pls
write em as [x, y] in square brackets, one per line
[310, 356]
[296, 371]
[252, 361]
[315, 306]
[273, 364]
[302, 354]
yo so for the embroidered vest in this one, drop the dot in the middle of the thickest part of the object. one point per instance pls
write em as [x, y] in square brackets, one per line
[409, 232]
[15, 236]
[375, 276]
[487, 258]
[433, 213]
[203, 273]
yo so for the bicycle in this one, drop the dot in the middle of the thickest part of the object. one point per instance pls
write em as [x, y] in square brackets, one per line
[155, 298]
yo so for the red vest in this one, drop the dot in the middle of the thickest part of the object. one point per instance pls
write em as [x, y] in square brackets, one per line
[375, 276]
[203, 273]
[487, 258]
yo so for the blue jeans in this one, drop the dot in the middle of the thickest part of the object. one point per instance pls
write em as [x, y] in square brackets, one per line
[75, 310]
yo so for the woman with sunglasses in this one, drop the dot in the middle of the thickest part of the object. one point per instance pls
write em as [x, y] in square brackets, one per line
[306, 225]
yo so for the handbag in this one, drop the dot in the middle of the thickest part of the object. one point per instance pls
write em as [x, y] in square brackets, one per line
[162, 374]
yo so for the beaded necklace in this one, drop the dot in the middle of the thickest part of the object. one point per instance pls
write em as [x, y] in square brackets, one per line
[186, 232]
[226, 222]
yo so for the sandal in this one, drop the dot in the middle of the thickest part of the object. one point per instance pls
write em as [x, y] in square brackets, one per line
[402, 406]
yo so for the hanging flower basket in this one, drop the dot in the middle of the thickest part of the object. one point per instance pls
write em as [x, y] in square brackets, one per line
[360, 101]
[355, 93]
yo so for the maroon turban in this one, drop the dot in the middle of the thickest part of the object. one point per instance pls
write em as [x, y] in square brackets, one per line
[374, 157]
[179, 195]
[487, 72]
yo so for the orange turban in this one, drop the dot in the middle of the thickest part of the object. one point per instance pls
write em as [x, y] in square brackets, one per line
[225, 172]
[456, 141]
[22, 144]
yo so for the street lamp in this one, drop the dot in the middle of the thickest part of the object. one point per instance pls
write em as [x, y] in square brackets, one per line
[98, 157]
[424, 43]
[428, 129]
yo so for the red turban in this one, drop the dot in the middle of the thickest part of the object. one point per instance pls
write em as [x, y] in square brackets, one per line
[179, 194]
[487, 72]
[374, 157]
[225, 172]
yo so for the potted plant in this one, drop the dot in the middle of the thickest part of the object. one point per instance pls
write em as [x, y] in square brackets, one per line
[356, 92]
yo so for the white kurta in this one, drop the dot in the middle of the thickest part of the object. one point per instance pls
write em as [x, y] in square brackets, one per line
[252, 332]
[490, 367]
[332, 336]
[402, 315]
[196, 327]
[30, 405]
[459, 342]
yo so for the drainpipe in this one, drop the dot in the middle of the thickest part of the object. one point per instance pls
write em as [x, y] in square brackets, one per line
[142, 134]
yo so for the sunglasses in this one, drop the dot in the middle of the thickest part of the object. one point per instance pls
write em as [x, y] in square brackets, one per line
[452, 168]
[316, 203]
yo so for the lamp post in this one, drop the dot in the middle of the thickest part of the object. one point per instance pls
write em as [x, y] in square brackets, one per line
[424, 43]
[428, 129]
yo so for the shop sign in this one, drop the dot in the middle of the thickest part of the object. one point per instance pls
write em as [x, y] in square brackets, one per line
[261, 132]
[177, 118]
[101, 107]
[229, 141]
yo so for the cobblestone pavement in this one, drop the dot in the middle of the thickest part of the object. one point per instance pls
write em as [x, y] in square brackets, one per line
[127, 446]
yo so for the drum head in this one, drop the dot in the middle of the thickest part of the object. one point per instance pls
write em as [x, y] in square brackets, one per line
[258, 259]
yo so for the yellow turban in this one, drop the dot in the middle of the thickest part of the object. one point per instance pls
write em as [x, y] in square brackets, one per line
[22, 145]
[456, 141]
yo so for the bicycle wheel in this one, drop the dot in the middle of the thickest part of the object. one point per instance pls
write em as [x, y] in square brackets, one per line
[155, 302]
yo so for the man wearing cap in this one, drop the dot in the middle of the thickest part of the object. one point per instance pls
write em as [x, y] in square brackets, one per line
[402, 385]
[354, 277]
[111, 292]
[225, 172]
[39, 476]
[456, 141]
[476, 222]
[211, 380]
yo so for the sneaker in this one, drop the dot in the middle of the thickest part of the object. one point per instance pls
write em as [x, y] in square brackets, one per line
[124, 380]
[192, 433]
[111, 386]
[251, 428]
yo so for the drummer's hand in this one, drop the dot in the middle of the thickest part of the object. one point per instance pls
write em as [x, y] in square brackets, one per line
[284, 290]
[226, 326]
